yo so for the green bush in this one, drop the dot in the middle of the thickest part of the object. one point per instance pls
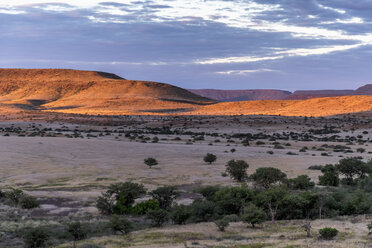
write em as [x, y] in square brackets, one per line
[36, 238]
[268, 176]
[76, 231]
[120, 224]
[208, 191]
[222, 224]
[237, 169]
[158, 217]
[165, 196]
[203, 211]
[210, 158]
[330, 176]
[253, 215]
[29, 202]
[230, 200]
[180, 215]
[328, 233]
[302, 182]
[143, 207]
[150, 162]
[119, 198]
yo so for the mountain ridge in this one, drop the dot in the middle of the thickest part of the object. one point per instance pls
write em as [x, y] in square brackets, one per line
[101, 93]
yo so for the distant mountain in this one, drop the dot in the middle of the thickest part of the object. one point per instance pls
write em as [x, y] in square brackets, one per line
[364, 90]
[242, 95]
[308, 94]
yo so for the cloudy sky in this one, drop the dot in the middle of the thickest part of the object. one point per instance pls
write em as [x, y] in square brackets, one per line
[224, 44]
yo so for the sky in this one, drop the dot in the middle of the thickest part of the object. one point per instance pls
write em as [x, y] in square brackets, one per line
[196, 44]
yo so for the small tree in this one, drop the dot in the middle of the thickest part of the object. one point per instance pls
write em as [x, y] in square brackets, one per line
[302, 182]
[267, 176]
[165, 196]
[119, 198]
[328, 233]
[158, 217]
[307, 228]
[120, 224]
[330, 176]
[237, 169]
[180, 215]
[222, 224]
[36, 238]
[210, 158]
[254, 215]
[76, 230]
[150, 162]
[271, 199]
[351, 167]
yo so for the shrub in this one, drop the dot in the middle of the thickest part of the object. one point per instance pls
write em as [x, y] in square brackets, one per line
[330, 176]
[302, 182]
[254, 215]
[208, 191]
[142, 208]
[29, 202]
[165, 196]
[351, 167]
[36, 237]
[210, 158]
[268, 176]
[315, 167]
[77, 232]
[230, 200]
[158, 217]
[180, 215]
[237, 169]
[222, 224]
[150, 162]
[202, 211]
[14, 196]
[120, 224]
[328, 233]
[119, 198]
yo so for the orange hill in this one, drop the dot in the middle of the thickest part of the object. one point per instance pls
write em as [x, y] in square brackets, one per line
[312, 107]
[90, 92]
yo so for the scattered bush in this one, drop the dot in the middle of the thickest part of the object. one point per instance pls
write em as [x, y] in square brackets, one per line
[210, 158]
[150, 162]
[222, 224]
[328, 233]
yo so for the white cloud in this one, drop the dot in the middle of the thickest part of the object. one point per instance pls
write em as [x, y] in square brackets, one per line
[245, 72]
[353, 20]
[281, 54]
[11, 11]
[340, 11]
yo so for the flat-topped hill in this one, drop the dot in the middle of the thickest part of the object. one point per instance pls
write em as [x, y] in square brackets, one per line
[242, 95]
